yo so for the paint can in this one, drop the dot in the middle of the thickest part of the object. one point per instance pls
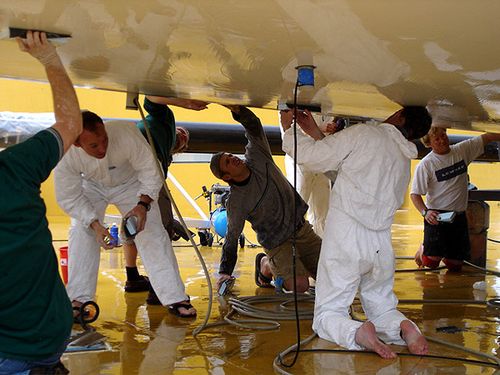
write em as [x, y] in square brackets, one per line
[63, 262]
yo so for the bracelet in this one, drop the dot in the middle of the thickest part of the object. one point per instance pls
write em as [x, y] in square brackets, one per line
[147, 206]
[424, 212]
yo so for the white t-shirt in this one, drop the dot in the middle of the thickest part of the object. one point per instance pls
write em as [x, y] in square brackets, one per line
[443, 178]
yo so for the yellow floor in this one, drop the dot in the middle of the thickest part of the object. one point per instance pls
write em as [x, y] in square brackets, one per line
[148, 340]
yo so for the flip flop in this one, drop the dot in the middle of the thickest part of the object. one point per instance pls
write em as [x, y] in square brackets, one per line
[175, 309]
[266, 281]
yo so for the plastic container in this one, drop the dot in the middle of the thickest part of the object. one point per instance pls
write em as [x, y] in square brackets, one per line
[63, 262]
[113, 233]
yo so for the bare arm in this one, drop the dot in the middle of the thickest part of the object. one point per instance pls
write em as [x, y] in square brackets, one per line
[66, 108]
[430, 215]
[196, 105]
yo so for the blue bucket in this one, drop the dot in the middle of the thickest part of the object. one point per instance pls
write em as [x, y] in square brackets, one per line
[219, 221]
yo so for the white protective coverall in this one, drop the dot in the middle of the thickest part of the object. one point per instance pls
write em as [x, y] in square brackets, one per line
[86, 185]
[373, 164]
[314, 188]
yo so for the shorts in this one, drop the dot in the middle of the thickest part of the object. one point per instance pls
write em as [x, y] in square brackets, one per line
[448, 240]
[307, 245]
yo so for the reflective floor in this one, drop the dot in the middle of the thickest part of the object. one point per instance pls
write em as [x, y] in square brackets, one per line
[149, 340]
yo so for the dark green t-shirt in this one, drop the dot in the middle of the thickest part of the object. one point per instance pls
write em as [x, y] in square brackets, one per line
[35, 312]
[161, 124]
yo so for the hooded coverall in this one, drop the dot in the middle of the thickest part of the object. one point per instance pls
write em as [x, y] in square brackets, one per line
[86, 185]
[373, 164]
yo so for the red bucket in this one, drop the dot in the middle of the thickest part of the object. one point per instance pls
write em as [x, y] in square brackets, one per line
[63, 262]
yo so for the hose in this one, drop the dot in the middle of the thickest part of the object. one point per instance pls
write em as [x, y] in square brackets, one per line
[278, 360]
[464, 349]
[266, 319]
[485, 270]
[429, 356]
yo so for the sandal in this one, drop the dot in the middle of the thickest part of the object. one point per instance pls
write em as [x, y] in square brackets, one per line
[175, 309]
[261, 280]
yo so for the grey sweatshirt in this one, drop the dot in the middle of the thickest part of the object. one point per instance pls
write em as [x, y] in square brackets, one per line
[266, 200]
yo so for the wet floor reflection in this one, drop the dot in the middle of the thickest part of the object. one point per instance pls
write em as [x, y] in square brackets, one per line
[148, 340]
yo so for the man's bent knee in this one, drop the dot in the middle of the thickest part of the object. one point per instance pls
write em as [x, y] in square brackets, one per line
[453, 265]
[302, 284]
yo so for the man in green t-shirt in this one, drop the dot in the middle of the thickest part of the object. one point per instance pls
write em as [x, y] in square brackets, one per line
[168, 139]
[35, 312]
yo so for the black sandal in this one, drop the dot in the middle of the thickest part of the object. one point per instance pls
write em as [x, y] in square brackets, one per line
[261, 280]
[175, 309]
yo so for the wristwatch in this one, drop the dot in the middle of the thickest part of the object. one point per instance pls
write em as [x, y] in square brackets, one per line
[147, 206]
[424, 212]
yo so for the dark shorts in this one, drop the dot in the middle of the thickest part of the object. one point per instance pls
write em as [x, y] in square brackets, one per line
[448, 240]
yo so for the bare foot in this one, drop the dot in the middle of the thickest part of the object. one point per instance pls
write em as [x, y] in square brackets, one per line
[265, 269]
[366, 336]
[418, 256]
[417, 344]
[187, 311]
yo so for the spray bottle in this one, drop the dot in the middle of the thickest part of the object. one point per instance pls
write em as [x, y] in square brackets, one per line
[113, 233]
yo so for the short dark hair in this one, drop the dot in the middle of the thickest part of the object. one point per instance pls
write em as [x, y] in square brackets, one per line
[215, 165]
[417, 121]
[90, 121]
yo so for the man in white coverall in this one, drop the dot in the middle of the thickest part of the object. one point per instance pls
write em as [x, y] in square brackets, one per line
[112, 164]
[314, 188]
[373, 164]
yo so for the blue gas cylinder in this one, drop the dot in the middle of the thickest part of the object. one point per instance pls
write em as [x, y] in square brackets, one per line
[219, 221]
[113, 233]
